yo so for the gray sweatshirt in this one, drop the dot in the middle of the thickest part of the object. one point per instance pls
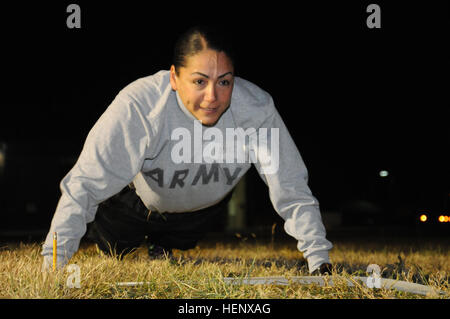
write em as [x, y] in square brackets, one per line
[148, 137]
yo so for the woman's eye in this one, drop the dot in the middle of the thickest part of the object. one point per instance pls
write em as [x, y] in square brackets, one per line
[199, 82]
[224, 82]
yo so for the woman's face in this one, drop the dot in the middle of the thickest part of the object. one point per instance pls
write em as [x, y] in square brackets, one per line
[205, 84]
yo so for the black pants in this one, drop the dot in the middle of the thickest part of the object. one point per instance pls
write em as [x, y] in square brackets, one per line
[122, 223]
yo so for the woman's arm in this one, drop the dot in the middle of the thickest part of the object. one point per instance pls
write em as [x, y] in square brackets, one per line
[112, 155]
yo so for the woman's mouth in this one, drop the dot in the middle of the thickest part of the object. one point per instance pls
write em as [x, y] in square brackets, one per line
[209, 110]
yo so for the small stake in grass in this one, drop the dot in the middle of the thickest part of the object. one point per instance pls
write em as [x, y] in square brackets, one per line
[55, 244]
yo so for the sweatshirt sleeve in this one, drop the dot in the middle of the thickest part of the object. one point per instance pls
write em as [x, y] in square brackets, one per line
[281, 166]
[112, 155]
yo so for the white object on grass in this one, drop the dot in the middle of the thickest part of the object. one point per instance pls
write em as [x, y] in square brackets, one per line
[307, 280]
[318, 280]
[132, 283]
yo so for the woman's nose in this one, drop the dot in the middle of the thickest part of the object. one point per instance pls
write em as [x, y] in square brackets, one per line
[210, 94]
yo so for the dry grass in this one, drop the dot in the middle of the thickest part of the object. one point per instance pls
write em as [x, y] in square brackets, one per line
[198, 273]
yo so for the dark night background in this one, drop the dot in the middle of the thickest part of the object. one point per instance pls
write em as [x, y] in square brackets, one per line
[356, 100]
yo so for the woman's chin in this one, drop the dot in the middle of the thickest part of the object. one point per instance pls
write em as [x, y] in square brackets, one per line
[208, 121]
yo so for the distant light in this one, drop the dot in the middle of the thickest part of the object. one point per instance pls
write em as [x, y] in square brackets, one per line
[444, 219]
[423, 218]
[2, 158]
[384, 173]
[2, 161]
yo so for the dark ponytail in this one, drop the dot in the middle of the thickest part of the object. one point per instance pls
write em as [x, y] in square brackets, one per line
[199, 38]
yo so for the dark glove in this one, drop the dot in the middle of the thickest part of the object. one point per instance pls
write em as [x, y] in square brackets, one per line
[323, 269]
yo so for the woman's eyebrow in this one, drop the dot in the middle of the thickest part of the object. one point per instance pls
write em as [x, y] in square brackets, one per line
[220, 76]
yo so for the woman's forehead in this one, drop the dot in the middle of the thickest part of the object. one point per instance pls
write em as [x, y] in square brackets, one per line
[209, 61]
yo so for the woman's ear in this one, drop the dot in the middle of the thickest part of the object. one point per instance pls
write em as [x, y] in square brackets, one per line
[173, 78]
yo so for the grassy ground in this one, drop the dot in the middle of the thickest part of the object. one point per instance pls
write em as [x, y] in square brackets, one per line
[199, 273]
